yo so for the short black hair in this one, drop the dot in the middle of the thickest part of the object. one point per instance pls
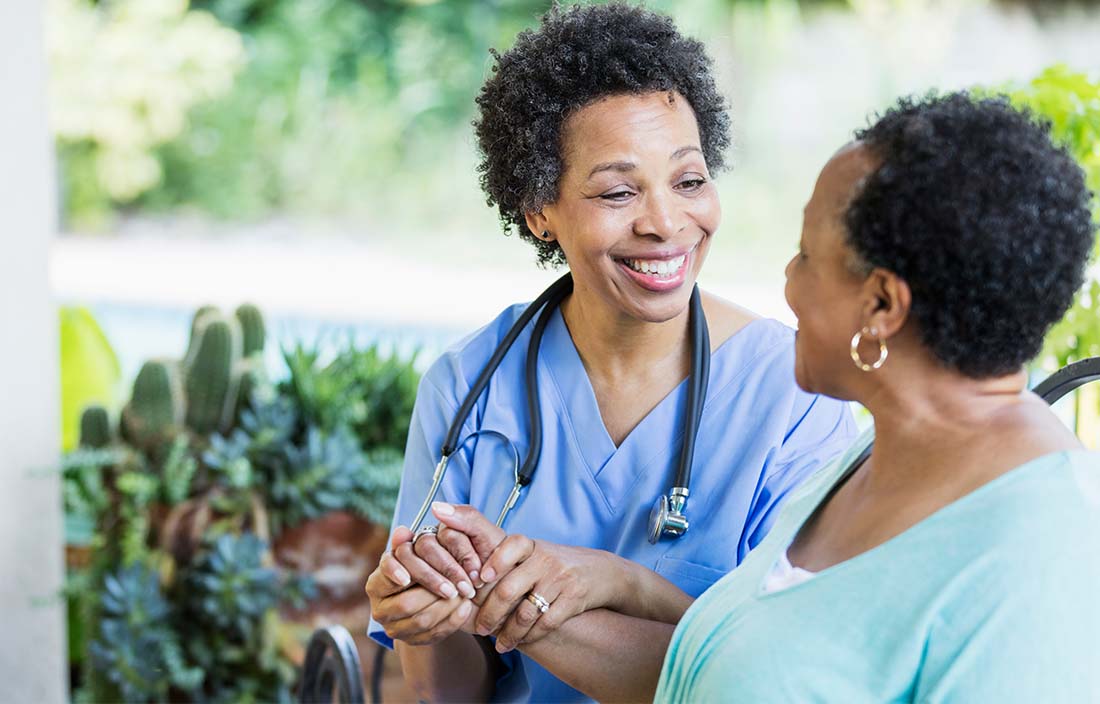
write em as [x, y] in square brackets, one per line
[574, 57]
[985, 218]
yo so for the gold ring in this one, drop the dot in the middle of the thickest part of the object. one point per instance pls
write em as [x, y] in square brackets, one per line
[541, 604]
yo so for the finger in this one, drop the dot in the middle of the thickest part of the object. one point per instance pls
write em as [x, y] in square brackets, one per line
[512, 551]
[401, 534]
[403, 605]
[428, 624]
[388, 578]
[422, 573]
[458, 544]
[440, 559]
[528, 625]
[483, 534]
[518, 623]
[505, 596]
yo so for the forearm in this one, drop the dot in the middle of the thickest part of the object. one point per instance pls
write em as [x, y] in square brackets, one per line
[606, 655]
[458, 668]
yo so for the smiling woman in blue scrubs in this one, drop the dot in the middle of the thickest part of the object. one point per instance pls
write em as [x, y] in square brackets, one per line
[600, 131]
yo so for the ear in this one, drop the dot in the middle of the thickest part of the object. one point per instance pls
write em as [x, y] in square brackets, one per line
[538, 223]
[887, 302]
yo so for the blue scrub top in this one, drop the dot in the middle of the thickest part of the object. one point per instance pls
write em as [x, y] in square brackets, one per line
[759, 437]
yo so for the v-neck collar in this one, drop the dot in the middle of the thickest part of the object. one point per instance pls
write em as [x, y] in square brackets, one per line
[652, 445]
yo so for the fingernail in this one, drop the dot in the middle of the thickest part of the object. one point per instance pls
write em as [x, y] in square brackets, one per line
[402, 578]
[483, 630]
[448, 590]
[488, 575]
[473, 575]
[503, 647]
[441, 508]
[466, 590]
[464, 609]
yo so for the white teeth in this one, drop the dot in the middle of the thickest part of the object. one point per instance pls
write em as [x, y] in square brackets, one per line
[660, 267]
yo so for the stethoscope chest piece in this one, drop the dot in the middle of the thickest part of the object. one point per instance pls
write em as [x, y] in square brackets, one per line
[667, 518]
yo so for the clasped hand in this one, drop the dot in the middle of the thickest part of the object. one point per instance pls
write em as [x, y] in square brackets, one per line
[472, 576]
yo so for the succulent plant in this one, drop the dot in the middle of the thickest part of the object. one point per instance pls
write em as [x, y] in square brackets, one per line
[230, 598]
[229, 457]
[135, 648]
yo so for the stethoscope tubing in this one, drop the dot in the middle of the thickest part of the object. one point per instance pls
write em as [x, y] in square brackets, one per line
[548, 302]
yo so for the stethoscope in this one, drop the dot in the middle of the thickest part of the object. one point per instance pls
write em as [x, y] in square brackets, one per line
[667, 516]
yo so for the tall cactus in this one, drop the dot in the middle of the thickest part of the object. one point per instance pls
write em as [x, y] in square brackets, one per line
[201, 316]
[156, 408]
[252, 329]
[212, 377]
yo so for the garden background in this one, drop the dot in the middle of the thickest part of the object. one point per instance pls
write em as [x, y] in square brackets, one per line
[263, 222]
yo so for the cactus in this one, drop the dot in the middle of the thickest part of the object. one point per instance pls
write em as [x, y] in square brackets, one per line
[252, 329]
[202, 316]
[95, 428]
[206, 391]
[156, 408]
[211, 378]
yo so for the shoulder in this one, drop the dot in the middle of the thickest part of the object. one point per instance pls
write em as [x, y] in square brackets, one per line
[1042, 509]
[725, 318]
[454, 372]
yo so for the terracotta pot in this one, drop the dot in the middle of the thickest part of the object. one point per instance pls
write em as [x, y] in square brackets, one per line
[339, 550]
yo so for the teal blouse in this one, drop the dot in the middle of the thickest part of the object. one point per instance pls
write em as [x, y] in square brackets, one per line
[993, 598]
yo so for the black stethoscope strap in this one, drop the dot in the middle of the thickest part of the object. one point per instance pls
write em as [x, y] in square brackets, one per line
[697, 387]
[556, 292]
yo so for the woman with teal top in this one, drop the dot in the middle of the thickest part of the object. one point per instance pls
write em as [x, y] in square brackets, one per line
[960, 561]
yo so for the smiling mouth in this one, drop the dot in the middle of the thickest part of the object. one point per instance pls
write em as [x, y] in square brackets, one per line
[660, 268]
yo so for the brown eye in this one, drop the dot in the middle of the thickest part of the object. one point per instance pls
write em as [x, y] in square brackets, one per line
[617, 195]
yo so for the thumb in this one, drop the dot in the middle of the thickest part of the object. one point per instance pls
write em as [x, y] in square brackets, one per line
[483, 533]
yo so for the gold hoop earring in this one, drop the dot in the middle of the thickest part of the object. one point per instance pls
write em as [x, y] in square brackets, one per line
[883, 353]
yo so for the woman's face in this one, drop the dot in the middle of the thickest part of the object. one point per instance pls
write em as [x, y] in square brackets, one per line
[636, 207]
[826, 294]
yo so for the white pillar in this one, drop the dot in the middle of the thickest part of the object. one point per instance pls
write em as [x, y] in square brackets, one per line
[32, 618]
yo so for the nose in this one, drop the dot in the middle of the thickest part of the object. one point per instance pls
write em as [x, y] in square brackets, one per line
[662, 216]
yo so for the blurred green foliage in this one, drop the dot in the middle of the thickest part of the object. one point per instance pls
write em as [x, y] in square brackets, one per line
[123, 76]
[340, 102]
[1070, 100]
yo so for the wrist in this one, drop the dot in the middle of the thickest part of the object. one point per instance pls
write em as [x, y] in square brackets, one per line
[613, 581]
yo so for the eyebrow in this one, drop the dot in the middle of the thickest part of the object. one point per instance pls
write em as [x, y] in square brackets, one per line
[630, 165]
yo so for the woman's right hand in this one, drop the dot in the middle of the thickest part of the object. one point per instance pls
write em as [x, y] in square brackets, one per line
[408, 611]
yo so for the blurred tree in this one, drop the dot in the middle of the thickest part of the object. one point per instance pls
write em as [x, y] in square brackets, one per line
[124, 74]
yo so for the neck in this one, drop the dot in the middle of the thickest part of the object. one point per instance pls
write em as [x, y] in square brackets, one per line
[614, 345]
[942, 412]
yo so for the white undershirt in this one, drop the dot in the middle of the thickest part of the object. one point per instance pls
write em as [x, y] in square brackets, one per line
[783, 575]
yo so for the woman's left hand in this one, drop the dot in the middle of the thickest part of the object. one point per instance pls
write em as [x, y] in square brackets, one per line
[572, 580]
